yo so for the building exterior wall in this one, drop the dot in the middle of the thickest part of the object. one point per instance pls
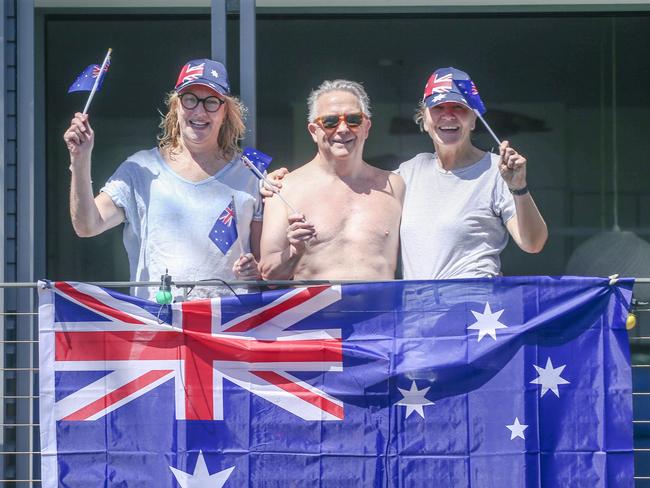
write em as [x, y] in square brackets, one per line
[8, 249]
[21, 250]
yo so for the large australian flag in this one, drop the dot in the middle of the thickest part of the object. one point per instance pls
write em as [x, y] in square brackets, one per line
[464, 383]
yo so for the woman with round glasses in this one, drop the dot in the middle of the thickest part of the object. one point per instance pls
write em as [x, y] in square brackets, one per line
[189, 205]
[461, 202]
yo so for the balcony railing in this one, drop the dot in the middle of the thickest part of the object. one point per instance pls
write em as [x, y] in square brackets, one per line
[19, 427]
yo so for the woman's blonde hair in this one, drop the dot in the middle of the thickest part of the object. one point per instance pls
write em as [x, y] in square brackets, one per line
[232, 130]
[419, 115]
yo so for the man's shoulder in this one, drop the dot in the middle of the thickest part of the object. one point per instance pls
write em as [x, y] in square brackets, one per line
[391, 178]
[302, 174]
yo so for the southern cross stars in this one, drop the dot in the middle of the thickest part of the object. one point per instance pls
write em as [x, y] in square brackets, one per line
[549, 377]
[201, 478]
[487, 322]
[517, 429]
[414, 400]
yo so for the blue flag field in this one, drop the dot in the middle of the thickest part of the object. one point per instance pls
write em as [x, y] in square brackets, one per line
[521, 381]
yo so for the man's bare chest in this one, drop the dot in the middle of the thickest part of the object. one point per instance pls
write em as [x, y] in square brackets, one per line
[343, 217]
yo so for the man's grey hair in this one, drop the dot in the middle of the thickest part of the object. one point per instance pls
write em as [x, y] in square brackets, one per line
[338, 85]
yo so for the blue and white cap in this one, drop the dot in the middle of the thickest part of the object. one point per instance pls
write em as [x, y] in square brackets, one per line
[442, 87]
[205, 72]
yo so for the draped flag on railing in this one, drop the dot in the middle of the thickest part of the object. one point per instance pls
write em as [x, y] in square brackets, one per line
[489, 382]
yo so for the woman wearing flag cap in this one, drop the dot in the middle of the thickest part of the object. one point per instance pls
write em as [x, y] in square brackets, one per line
[461, 203]
[188, 205]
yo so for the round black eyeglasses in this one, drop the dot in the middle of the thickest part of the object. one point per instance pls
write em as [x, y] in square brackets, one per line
[211, 104]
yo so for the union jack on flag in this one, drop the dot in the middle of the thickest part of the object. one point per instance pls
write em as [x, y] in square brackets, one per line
[228, 216]
[140, 350]
[438, 84]
[190, 73]
[97, 68]
[376, 385]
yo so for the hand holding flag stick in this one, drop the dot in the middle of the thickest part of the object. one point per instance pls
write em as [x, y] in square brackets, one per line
[92, 74]
[257, 162]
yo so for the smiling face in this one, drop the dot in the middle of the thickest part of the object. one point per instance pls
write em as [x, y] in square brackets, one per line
[342, 142]
[199, 129]
[449, 124]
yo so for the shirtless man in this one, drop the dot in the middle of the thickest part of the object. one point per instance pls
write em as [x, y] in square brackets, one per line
[349, 225]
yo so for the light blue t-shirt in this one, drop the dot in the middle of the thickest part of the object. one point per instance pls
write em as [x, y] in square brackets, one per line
[169, 219]
[453, 222]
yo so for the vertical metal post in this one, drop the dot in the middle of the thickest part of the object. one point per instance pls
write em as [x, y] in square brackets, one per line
[3, 162]
[25, 233]
[218, 42]
[248, 73]
[614, 129]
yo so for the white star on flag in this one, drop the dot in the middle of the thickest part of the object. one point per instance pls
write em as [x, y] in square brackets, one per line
[549, 377]
[487, 323]
[517, 429]
[201, 478]
[414, 400]
[214, 73]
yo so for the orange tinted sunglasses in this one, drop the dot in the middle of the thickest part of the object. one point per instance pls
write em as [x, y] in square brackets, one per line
[329, 122]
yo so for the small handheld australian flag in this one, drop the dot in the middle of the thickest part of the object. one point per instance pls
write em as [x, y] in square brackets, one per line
[256, 160]
[86, 80]
[470, 92]
[224, 231]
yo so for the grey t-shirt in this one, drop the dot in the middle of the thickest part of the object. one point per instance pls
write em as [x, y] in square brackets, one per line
[453, 222]
[169, 219]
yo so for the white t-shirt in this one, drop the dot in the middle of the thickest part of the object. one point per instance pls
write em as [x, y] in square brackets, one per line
[169, 219]
[453, 222]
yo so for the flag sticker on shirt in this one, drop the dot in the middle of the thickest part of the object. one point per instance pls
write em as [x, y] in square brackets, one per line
[224, 231]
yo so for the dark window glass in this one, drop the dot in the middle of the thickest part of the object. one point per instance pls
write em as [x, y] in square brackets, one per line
[546, 80]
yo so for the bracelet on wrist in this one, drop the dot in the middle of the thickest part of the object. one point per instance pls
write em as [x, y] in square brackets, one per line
[519, 191]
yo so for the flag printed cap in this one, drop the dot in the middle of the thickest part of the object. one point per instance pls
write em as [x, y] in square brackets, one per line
[205, 72]
[442, 87]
